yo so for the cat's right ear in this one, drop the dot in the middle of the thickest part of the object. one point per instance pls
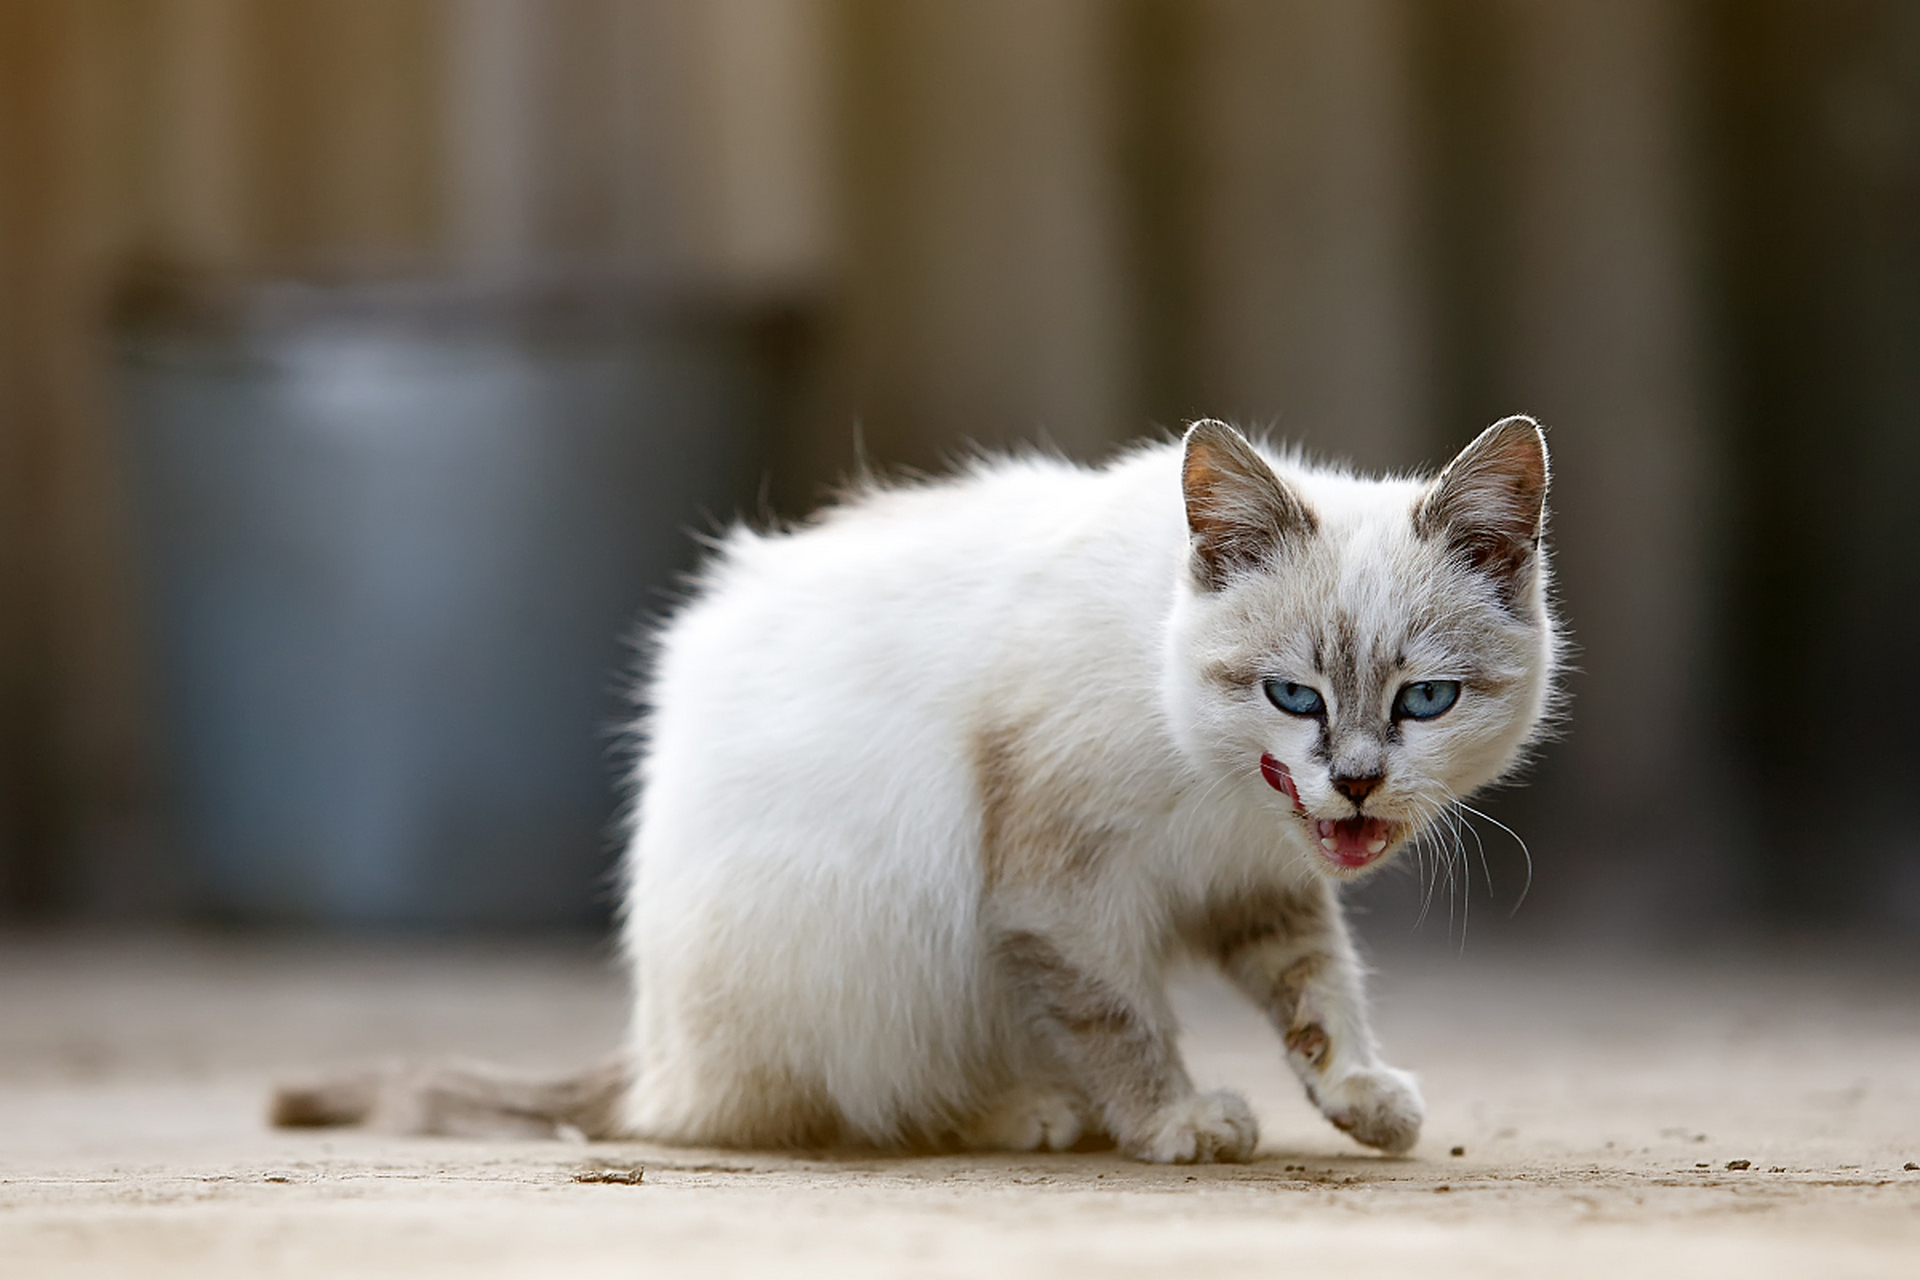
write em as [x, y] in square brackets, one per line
[1239, 512]
[1490, 503]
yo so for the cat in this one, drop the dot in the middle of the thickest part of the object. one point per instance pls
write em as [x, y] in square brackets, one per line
[936, 786]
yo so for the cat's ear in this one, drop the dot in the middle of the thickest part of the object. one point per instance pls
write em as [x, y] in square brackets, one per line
[1239, 512]
[1490, 504]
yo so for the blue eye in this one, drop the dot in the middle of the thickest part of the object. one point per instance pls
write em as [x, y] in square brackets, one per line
[1295, 699]
[1425, 700]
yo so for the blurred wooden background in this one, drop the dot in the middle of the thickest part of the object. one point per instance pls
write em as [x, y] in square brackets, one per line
[1682, 232]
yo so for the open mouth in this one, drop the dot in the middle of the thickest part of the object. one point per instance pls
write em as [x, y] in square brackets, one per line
[1349, 843]
[1353, 842]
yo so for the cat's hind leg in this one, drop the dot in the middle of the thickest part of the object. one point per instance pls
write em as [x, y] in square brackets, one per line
[1028, 1118]
[1120, 1049]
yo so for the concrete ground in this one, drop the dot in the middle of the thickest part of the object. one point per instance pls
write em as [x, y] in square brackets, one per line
[1617, 1117]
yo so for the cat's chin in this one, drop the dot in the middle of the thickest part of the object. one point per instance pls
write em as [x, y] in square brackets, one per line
[1352, 844]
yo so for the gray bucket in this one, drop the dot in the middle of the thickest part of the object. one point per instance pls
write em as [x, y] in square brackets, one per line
[397, 544]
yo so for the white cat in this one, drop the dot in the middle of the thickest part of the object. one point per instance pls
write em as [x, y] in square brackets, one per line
[937, 786]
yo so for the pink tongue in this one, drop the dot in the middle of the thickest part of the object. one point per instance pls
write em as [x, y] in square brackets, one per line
[1353, 839]
[1280, 778]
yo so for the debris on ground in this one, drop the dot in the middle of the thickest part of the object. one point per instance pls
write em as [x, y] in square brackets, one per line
[627, 1176]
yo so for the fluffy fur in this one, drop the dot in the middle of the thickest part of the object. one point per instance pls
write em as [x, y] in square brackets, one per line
[936, 787]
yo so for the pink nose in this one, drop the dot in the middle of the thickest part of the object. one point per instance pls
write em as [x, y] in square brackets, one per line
[1357, 788]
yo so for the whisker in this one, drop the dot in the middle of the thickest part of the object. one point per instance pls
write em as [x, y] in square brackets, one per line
[1429, 874]
[1524, 852]
[1463, 887]
[1466, 881]
[1480, 845]
[1426, 844]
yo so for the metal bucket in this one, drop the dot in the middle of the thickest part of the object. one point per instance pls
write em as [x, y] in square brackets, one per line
[397, 543]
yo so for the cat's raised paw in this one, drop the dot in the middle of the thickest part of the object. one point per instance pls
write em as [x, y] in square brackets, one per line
[1201, 1129]
[1378, 1106]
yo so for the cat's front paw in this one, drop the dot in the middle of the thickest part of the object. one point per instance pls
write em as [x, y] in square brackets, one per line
[1201, 1129]
[1378, 1106]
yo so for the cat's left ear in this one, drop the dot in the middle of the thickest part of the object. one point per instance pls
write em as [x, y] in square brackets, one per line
[1239, 513]
[1490, 504]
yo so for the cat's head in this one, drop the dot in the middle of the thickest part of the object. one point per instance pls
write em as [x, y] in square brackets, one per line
[1356, 654]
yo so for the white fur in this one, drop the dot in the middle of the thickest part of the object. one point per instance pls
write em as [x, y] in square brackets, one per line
[810, 928]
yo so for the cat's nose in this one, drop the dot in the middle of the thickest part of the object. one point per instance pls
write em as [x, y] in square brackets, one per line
[1357, 787]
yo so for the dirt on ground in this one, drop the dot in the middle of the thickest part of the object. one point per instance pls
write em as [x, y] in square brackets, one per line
[1590, 1115]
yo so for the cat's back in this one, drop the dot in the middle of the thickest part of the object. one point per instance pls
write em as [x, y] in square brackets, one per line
[1000, 519]
[913, 585]
[837, 674]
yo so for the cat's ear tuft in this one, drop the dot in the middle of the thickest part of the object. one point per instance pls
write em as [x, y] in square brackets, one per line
[1239, 512]
[1490, 504]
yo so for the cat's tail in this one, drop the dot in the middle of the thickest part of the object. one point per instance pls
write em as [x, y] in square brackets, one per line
[464, 1100]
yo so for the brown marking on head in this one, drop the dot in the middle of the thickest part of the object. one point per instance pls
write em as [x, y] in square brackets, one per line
[1232, 674]
[1034, 828]
[1239, 512]
[1490, 503]
[1340, 651]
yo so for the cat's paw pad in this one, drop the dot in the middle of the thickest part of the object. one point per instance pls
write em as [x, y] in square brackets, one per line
[1028, 1121]
[1378, 1106]
[1201, 1129]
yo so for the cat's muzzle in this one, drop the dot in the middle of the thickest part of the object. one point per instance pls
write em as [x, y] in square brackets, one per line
[1352, 843]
